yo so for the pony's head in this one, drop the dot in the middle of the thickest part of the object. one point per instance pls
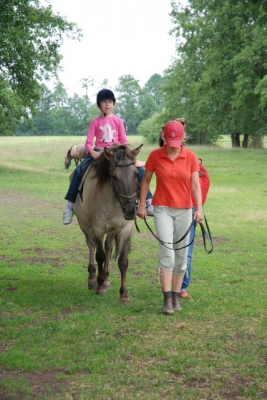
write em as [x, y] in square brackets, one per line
[117, 164]
[68, 159]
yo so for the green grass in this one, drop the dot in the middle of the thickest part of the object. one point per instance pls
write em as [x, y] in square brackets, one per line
[61, 341]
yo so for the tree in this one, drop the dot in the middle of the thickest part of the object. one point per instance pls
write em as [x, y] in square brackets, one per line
[151, 127]
[86, 83]
[134, 103]
[154, 86]
[58, 114]
[147, 105]
[128, 108]
[42, 123]
[30, 39]
[220, 69]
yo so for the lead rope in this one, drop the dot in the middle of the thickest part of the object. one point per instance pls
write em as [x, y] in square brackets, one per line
[178, 241]
[206, 234]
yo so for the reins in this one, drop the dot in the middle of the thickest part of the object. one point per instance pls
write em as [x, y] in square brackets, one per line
[206, 235]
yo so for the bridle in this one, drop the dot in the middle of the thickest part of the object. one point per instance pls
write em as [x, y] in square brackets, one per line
[117, 195]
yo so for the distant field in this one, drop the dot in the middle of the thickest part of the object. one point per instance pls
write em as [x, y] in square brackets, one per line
[60, 341]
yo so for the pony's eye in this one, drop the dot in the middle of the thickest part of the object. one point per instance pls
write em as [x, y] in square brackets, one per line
[114, 177]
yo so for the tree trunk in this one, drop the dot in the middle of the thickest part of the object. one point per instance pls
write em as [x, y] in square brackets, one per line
[245, 141]
[235, 137]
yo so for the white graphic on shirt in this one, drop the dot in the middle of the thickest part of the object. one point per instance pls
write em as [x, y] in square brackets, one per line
[108, 133]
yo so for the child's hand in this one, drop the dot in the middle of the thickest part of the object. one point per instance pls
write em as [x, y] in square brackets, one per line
[139, 163]
[94, 154]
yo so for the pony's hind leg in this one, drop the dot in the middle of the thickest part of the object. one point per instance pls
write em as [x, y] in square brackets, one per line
[92, 282]
[100, 259]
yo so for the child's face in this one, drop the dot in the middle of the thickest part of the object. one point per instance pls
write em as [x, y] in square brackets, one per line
[107, 106]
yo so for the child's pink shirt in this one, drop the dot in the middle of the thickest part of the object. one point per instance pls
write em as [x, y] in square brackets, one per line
[106, 131]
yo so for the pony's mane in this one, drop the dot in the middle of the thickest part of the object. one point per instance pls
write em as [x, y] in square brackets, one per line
[101, 166]
[68, 153]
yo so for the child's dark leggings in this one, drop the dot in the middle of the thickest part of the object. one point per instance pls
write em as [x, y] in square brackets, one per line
[79, 172]
[77, 177]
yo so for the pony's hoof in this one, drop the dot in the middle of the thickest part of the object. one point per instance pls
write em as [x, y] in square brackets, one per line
[125, 301]
[92, 284]
[107, 284]
[101, 291]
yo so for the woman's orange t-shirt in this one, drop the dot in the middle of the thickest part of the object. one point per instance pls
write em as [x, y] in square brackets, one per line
[173, 178]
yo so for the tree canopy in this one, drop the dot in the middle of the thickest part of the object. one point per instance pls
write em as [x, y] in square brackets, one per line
[59, 114]
[218, 81]
[30, 40]
[134, 103]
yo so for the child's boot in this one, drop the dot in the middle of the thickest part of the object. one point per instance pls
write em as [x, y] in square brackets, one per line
[68, 214]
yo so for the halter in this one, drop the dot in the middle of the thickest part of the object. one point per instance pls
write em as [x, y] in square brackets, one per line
[119, 195]
[125, 165]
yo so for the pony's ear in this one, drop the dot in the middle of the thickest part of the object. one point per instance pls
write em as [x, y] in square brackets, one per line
[108, 153]
[136, 151]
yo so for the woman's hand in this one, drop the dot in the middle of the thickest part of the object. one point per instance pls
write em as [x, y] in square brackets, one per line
[141, 212]
[198, 216]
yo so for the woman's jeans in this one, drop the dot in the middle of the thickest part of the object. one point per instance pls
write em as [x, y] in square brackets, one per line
[141, 173]
[79, 172]
[171, 225]
[187, 275]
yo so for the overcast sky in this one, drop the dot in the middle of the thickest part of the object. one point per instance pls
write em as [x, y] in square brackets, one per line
[120, 37]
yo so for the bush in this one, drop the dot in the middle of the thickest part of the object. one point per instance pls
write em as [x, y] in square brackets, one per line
[150, 128]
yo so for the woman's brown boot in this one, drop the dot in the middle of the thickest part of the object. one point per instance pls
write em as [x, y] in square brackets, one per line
[176, 302]
[167, 304]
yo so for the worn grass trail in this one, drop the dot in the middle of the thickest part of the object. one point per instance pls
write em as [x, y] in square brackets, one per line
[60, 341]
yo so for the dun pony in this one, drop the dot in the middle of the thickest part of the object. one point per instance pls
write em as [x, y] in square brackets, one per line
[105, 210]
[77, 152]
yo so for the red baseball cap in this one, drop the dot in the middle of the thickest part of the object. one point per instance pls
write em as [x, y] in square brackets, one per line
[173, 133]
